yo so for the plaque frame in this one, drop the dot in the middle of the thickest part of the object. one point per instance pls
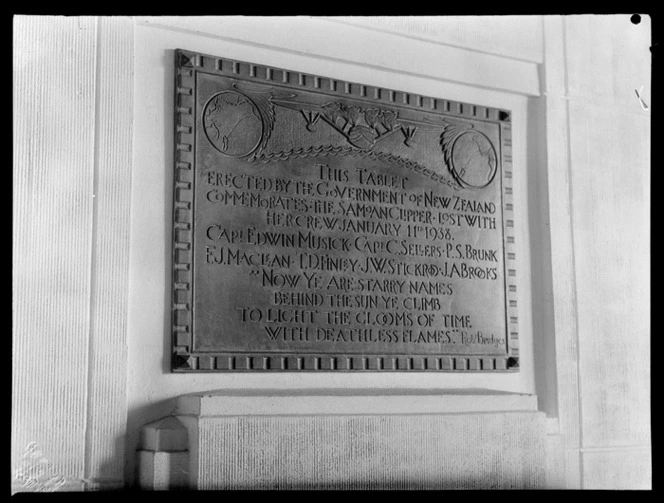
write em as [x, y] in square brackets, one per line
[183, 359]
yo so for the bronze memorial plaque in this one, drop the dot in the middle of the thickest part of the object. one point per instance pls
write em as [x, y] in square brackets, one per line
[323, 225]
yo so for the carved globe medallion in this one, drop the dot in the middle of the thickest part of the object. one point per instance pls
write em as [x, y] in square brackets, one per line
[232, 124]
[474, 161]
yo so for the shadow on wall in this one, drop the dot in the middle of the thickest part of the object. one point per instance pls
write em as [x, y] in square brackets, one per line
[110, 472]
[544, 348]
[137, 417]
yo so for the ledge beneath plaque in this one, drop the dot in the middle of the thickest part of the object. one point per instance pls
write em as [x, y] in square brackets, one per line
[341, 401]
[343, 439]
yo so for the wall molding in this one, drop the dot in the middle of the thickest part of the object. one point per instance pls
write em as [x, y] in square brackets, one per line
[107, 365]
[358, 44]
[562, 247]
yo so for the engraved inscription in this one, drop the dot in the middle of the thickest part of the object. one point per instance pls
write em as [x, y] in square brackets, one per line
[343, 227]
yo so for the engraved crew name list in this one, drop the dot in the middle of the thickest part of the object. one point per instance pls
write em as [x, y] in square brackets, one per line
[325, 225]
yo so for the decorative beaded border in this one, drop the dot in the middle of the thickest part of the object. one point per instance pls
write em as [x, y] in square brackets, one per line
[509, 251]
[267, 362]
[186, 63]
[182, 210]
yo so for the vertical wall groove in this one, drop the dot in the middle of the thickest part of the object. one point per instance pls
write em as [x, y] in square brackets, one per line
[574, 300]
[560, 218]
[93, 255]
[107, 404]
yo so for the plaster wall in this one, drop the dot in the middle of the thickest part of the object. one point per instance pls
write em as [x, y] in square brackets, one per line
[72, 177]
[609, 143]
[92, 180]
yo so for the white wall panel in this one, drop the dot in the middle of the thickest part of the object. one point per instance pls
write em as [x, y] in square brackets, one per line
[608, 59]
[610, 193]
[618, 469]
[72, 176]
[326, 42]
[54, 124]
[598, 177]
[518, 37]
